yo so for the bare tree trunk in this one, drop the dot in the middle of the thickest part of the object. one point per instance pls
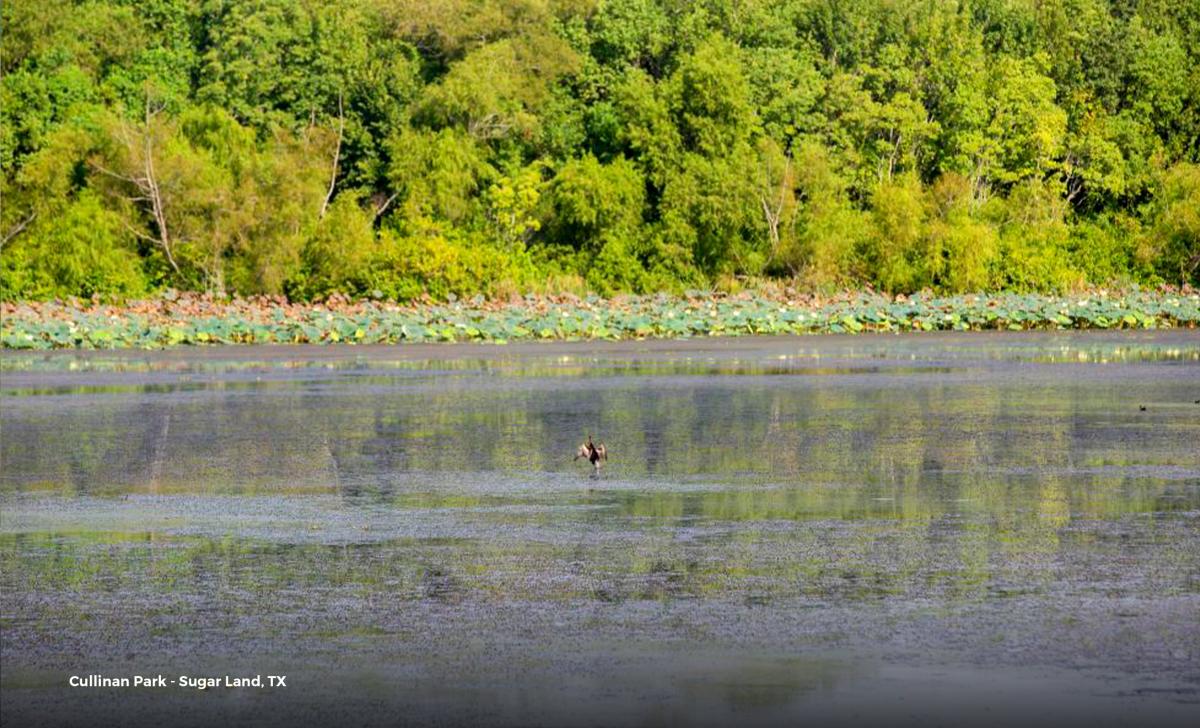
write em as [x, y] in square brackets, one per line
[337, 154]
[773, 215]
[155, 195]
[216, 274]
[895, 138]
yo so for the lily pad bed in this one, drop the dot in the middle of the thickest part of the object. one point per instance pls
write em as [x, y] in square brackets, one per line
[176, 320]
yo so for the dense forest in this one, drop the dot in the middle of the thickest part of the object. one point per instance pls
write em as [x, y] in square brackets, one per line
[394, 148]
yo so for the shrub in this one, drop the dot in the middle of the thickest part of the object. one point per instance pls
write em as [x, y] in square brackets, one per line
[899, 253]
[81, 251]
[437, 263]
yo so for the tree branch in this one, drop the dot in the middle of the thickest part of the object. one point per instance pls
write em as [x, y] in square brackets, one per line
[139, 233]
[138, 181]
[17, 229]
[386, 204]
[1193, 262]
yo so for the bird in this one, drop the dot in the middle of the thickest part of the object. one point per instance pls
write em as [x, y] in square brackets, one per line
[1142, 408]
[592, 452]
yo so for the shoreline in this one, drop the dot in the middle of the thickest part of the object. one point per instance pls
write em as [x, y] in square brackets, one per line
[191, 321]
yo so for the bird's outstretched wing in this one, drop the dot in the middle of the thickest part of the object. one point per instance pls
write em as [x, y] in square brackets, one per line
[602, 452]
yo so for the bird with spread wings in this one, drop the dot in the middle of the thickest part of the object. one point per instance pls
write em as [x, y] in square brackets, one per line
[594, 453]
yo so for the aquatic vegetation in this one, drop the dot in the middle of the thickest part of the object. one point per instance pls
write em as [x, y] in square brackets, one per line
[196, 320]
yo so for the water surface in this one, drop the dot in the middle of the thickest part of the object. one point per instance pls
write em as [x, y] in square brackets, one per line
[916, 529]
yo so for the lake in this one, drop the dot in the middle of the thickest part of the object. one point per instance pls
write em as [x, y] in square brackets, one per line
[997, 527]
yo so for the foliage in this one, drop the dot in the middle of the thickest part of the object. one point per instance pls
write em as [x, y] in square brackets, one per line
[81, 250]
[400, 148]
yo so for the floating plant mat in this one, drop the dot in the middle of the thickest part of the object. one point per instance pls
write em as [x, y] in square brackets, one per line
[192, 320]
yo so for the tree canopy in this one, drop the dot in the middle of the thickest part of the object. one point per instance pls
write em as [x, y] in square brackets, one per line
[395, 148]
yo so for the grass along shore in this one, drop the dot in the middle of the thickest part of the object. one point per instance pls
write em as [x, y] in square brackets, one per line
[189, 319]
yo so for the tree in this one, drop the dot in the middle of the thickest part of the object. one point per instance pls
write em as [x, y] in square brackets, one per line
[143, 177]
[1173, 241]
[900, 250]
[830, 228]
[512, 202]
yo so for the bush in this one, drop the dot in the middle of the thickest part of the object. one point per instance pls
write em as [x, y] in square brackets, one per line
[898, 252]
[433, 262]
[338, 256]
[81, 251]
[615, 269]
[1034, 241]
[1106, 251]
[1173, 239]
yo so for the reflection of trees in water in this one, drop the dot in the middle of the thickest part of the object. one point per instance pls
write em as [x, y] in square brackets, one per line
[880, 436]
[758, 684]
[944, 557]
[230, 442]
[158, 448]
[928, 467]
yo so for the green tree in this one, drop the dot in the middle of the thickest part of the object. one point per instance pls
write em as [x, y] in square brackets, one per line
[1173, 240]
